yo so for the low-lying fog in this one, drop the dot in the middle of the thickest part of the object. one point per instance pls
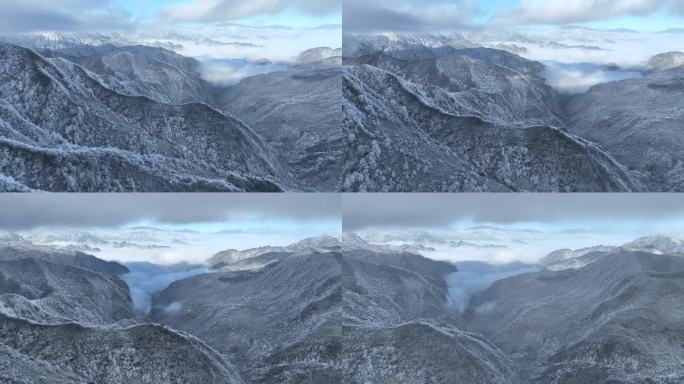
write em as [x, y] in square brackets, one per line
[579, 77]
[155, 257]
[577, 58]
[231, 71]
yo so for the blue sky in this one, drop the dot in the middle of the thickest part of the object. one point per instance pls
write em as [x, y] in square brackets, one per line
[141, 10]
[659, 20]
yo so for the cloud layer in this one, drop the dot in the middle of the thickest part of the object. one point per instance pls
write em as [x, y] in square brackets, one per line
[439, 210]
[440, 15]
[474, 277]
[145, 280]
[19, 212]
[576, 11]
[61, 15]
[408, 15]
[230, 10]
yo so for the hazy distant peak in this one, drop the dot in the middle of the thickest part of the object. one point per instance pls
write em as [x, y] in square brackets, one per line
[576, 258]
[255, 258]
[364, 44]
[322, 241]
[351, 240]
[666, 60]
[9, 237]
[318, 54]
[563, 259]
[657, 243]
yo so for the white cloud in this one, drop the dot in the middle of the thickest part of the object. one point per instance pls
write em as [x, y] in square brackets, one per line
[556, 11]
[61, 15]
[408, 15]
[230, 10]
[577, 78]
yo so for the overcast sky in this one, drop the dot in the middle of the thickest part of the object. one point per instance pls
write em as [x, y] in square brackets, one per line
[440, 15]
[513, 227]
[525, 210]
[23, 212]
[20, 16]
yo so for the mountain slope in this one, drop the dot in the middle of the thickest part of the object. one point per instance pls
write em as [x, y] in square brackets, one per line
[417, 44]
[233, 259]
[402, 139]
[138, 70]
[638, 121]
[298, 114]
[26, 250]
[280, 324]
[397, 325]
[617, 319]
[355, 316]
[491, 84]
[139, 354]
[667, 60]
[63, 131]
[49, 293]
[62, 322]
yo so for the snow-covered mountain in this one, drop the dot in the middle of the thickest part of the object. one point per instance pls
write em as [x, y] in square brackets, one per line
[63, 130]
[614, 320]
[136, 354]
[657, 244]
[464, 120]
[169, 129]
[138, 70]
[396, 325]
[318, 54]
[80, 306]
[280, 323]
[389, 42]
[59, 256]
[257, 258]
[297, 112]
[564, 259]
[332, 315]
[572, 258]
[49, 293]
[71, 44]
[637, 121]
[667, 60]
[433, 116]
[343, 310]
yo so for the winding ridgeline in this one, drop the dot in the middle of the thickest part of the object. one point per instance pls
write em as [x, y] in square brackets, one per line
[442, 114]
[138, 118]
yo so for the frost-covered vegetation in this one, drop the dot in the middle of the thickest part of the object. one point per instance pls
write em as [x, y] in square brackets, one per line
[111, 117]
[439, 113]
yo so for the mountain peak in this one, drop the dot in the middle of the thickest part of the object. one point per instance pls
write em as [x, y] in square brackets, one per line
[318, 54]
[658, 244]
[365, 44]
[667, 60]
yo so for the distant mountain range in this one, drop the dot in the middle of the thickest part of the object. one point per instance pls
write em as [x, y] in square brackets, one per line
[338, 309]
